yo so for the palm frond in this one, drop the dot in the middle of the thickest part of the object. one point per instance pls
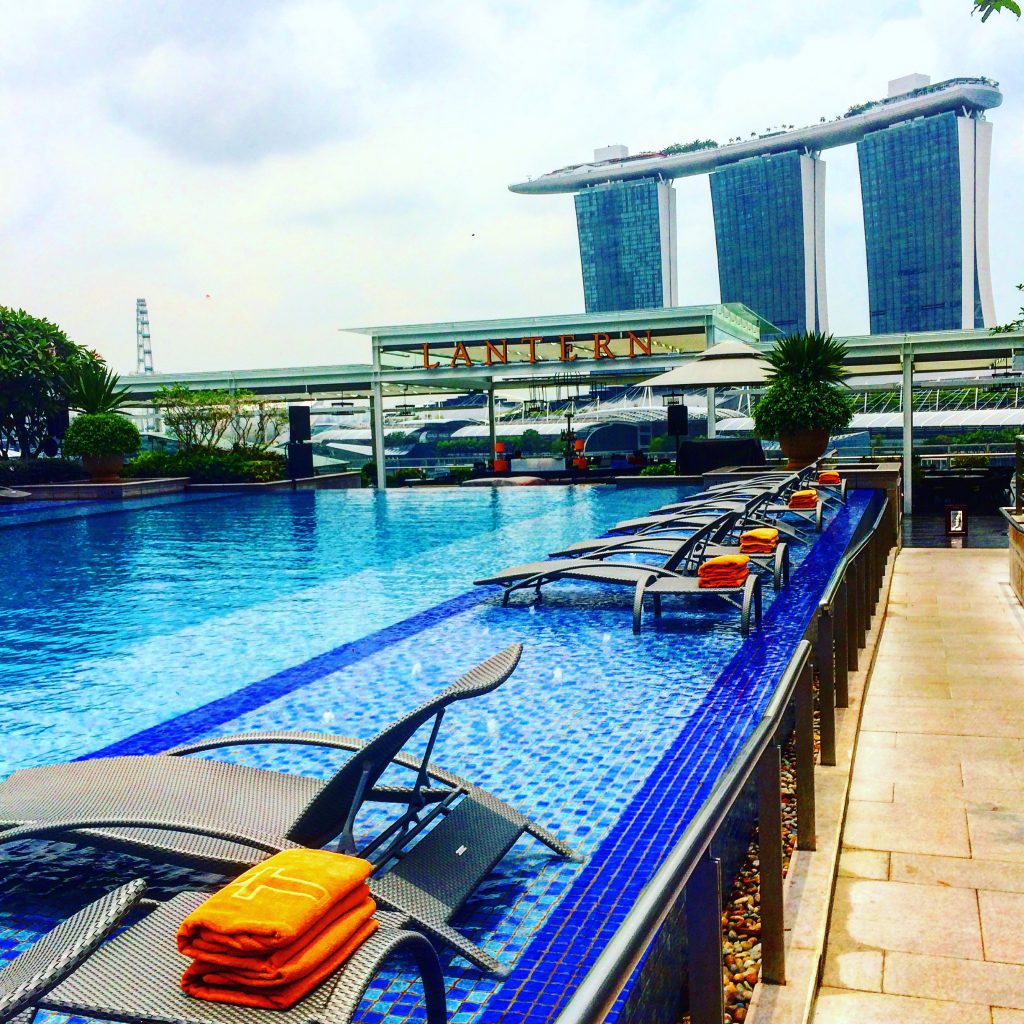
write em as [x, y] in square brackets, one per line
[92, 387]
[811, 357]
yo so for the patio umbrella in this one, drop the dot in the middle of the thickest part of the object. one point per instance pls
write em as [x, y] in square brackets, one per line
[727, 364]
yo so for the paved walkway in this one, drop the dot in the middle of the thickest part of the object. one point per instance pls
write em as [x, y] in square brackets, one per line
[928, 914]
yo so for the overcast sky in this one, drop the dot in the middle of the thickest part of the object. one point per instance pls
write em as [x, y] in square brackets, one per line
[265, 172]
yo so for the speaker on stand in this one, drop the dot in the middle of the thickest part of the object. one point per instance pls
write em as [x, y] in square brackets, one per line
[300, 450]
[678, 425]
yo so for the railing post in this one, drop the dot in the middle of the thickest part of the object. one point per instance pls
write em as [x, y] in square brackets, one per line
[769, 832]
[850, 590]
[704, 941]
[865, 583]
[825, 660]
[840, 632]
[805, 837]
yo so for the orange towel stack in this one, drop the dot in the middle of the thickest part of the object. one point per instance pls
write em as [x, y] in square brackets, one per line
[278, 930]
[829, 478]
[761, 541]
[804, 499]
[723, 571]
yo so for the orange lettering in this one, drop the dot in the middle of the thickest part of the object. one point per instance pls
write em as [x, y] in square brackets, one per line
[566, 354]
[461, 353]
[532, 342]
[644, 347]
[601, 349]
[492, 350]
[427, 365]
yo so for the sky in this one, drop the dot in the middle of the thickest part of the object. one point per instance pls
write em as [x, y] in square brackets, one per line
[267, 172]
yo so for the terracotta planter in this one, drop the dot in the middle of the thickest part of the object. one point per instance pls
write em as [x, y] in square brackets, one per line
[103, 469]
[803, 447]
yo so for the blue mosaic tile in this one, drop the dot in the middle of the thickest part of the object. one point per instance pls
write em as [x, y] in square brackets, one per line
[612, 740]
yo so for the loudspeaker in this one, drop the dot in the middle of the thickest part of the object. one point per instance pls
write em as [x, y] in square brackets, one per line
[300, 458]
[678, 420]
[298, 423]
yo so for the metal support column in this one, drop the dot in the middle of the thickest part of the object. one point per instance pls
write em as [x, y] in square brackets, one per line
[825, 662]
[704, 941]
[908, 432]
[490, 420]
[712, 418]
[377, 429]
[769, 834]
[806, 838]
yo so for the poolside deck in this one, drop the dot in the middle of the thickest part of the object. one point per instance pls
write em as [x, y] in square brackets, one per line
[928, 913]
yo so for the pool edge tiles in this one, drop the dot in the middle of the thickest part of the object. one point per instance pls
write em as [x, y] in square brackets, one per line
[568, 943]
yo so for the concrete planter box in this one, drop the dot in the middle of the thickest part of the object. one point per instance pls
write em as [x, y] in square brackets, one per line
[118, 491]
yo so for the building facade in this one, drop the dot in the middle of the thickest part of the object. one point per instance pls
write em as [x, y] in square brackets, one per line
[627, 245]
[924, 154]
[924, 186]
[769, 230]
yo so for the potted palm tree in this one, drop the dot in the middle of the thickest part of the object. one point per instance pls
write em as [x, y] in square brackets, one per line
[101, 436]
[806, 400]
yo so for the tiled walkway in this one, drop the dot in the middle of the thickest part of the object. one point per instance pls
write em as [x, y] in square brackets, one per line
[928, 914]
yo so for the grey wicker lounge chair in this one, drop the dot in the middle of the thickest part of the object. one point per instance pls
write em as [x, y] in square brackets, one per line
[675, 577]
[220, 816]
[32, 974]
[136, 976]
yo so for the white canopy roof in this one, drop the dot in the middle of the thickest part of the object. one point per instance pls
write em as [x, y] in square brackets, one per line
[727, 364]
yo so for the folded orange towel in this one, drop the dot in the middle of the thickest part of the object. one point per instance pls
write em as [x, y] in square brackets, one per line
[277, 931]
[761, 541]
[222, 988]
[829, 477]
[272, 904]
[298, 958]
[803, 499]
[723, 571]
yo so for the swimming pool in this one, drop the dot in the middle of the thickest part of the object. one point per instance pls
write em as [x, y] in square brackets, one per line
[338, 611]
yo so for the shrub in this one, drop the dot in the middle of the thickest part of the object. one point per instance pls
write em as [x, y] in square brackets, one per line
[659, 469]
[209, 467]
[103, 433]
[459, 473]
[805, 390]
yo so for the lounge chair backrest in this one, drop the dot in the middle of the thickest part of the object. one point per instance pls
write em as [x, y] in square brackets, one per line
[324, 816]
[691, 553]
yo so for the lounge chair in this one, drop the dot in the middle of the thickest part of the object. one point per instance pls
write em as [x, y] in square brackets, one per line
[675, 577]
[750, 512]
[224, 817]
[775, 564]
[9, 494]
[137, 975]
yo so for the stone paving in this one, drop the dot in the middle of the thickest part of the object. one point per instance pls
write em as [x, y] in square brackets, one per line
[928, 913]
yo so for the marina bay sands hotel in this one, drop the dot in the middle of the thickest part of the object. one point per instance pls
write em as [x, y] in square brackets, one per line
[923, 153]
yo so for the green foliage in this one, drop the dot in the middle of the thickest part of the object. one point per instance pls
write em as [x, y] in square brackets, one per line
[35, 360]
[457, 474]
[989, 7]
[101, 433]
[1013, 325]
[209, 467]
[92, 387]
[201, 419]
[811, 357]
[789, 408]
[989, 435]
[659, 469]
[690, 147]
[39, 471]
[804, 387]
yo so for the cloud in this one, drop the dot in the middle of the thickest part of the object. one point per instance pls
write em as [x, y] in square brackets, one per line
[320, 164]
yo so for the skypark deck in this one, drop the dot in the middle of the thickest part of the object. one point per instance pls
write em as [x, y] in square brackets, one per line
[957, 94]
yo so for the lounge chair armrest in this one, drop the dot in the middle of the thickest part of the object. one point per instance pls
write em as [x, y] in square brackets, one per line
[27, 978]
[244, 739]
[361, 968]
[36, 829]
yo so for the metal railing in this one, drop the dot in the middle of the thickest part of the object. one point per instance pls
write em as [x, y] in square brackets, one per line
[691, 868]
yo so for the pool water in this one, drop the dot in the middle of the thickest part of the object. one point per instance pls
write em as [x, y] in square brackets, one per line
[339, 611]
